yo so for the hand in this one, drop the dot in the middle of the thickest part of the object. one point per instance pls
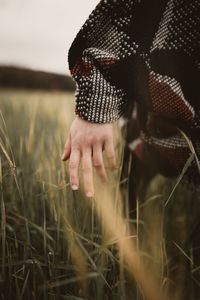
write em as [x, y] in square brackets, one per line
[86, 142]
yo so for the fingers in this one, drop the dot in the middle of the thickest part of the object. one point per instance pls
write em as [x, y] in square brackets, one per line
[67, 149]
[85, 144]
[98, 161]
[74, 163]
[87, 172]
[110, 152]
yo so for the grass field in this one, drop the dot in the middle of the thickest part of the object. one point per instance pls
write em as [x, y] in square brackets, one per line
[57, 244]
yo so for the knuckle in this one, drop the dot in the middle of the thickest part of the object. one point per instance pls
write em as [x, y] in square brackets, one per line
[91, 139]
[97, 163]
[87, 169]
[72, 164]
[88, 142]
[75, 146]
[96, 139]
[108, 136]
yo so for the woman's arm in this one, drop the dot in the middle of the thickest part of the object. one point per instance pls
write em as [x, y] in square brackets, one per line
[98, 59]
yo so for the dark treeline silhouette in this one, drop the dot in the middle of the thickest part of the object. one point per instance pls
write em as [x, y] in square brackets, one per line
[14, 77]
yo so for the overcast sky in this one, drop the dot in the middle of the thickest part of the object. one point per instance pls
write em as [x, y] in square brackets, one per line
[38, 33]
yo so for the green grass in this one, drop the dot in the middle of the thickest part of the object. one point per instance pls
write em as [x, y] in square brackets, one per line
[56, 244]
[49, 235]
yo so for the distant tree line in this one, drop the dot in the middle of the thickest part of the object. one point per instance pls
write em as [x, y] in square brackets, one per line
[14, 77]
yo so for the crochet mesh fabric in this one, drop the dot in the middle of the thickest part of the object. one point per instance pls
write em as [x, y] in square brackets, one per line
[140, 59]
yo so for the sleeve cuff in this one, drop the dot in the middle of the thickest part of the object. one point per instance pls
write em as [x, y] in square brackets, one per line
[97, 100]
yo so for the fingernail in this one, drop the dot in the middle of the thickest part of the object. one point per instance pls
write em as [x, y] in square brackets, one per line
[74, 187]
[63, 156]
[89, 194]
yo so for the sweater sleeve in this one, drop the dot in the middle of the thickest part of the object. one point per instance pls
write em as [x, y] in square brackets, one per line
[103, 43]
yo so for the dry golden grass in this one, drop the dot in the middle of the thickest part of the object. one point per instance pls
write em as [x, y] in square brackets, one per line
[57, 244]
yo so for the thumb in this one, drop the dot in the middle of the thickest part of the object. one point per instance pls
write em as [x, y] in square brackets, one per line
[67, 149]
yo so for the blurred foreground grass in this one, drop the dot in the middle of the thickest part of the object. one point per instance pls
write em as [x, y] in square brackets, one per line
[49, 235]
[52, 243]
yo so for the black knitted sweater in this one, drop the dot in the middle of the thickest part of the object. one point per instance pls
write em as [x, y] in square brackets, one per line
[140, 59]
